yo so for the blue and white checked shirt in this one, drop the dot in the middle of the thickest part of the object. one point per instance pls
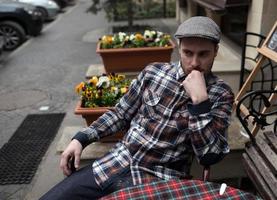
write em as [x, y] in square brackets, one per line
[165, 129]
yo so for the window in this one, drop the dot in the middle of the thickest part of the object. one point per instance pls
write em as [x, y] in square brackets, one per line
[233, 23]
[233, 14]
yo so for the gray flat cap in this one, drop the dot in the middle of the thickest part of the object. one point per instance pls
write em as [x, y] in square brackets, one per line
[199, 26]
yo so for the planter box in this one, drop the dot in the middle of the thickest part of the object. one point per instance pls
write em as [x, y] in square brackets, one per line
[92, 114]
[133, 59]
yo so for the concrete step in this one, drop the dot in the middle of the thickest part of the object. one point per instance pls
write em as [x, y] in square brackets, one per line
[98, 69]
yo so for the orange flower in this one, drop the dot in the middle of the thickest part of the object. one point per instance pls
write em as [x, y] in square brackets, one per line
[139, 36]
[79, 87]
[108, 39]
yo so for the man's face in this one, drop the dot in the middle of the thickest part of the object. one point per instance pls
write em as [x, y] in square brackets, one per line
[197, 54]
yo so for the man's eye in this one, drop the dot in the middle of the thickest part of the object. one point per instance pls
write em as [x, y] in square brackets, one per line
[204, 54]
[188, 54]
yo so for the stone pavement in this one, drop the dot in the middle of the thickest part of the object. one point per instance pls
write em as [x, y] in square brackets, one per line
[43, 73]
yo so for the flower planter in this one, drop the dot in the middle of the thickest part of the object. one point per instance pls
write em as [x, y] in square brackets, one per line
[92, 114]
[133, 59]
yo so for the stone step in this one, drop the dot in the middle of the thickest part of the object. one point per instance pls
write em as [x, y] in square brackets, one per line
[98, 69]
[95, 70]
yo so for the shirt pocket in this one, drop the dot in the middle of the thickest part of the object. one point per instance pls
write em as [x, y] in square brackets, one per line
[182, 119]
[151, 102]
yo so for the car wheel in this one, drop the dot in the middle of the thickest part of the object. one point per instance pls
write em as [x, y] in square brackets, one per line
[43, 13]
[14, 34]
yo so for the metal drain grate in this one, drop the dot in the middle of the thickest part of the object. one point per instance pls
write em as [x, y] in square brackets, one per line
[21, 155]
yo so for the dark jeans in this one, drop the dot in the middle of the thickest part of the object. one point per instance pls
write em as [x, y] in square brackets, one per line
[81, 185]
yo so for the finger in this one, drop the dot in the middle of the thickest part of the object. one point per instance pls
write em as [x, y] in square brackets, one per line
[69, 168]
[77, 160]
[64, 164]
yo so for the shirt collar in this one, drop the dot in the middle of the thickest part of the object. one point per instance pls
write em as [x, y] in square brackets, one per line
[180, 76]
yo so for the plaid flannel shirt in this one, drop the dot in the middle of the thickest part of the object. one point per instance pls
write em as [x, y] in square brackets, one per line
[165, 129]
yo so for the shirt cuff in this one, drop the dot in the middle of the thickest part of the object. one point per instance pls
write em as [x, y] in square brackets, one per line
[82, 138]
[201, 108]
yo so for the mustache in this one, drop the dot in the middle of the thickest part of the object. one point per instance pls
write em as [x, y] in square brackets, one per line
[198, 69]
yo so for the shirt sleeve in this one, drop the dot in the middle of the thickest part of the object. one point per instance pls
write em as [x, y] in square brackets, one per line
[117, 119]
[208, 127]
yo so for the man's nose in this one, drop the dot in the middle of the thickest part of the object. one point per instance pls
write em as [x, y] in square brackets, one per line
[195, 62]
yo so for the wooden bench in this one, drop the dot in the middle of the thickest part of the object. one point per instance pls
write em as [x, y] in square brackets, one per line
[260, 157]
[260, 164]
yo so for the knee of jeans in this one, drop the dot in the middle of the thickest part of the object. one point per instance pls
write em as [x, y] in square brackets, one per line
[122, 183]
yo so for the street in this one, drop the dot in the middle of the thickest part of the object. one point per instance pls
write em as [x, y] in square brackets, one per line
[44, 71]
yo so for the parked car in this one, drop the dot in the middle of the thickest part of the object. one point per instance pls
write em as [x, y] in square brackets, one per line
[48, 8]
[2, 42]
[17, 21]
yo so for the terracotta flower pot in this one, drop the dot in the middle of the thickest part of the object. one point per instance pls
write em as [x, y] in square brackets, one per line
[92, 114]
[133, 59]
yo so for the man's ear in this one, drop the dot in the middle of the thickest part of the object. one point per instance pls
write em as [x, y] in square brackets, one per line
[216, 50]
[179, 42]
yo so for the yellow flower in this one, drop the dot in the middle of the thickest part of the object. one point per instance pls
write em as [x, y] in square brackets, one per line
[114, 90]
[121, 77]
[105, 90]
[94, 80]
[123, 90]
[166, 36]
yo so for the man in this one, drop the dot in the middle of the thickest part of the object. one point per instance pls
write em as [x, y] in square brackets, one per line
[173, 110]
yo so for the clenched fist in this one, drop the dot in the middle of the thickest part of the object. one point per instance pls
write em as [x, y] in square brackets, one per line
[195, 86]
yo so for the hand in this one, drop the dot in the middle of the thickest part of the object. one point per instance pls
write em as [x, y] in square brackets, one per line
[195, 86]
[73, 150]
